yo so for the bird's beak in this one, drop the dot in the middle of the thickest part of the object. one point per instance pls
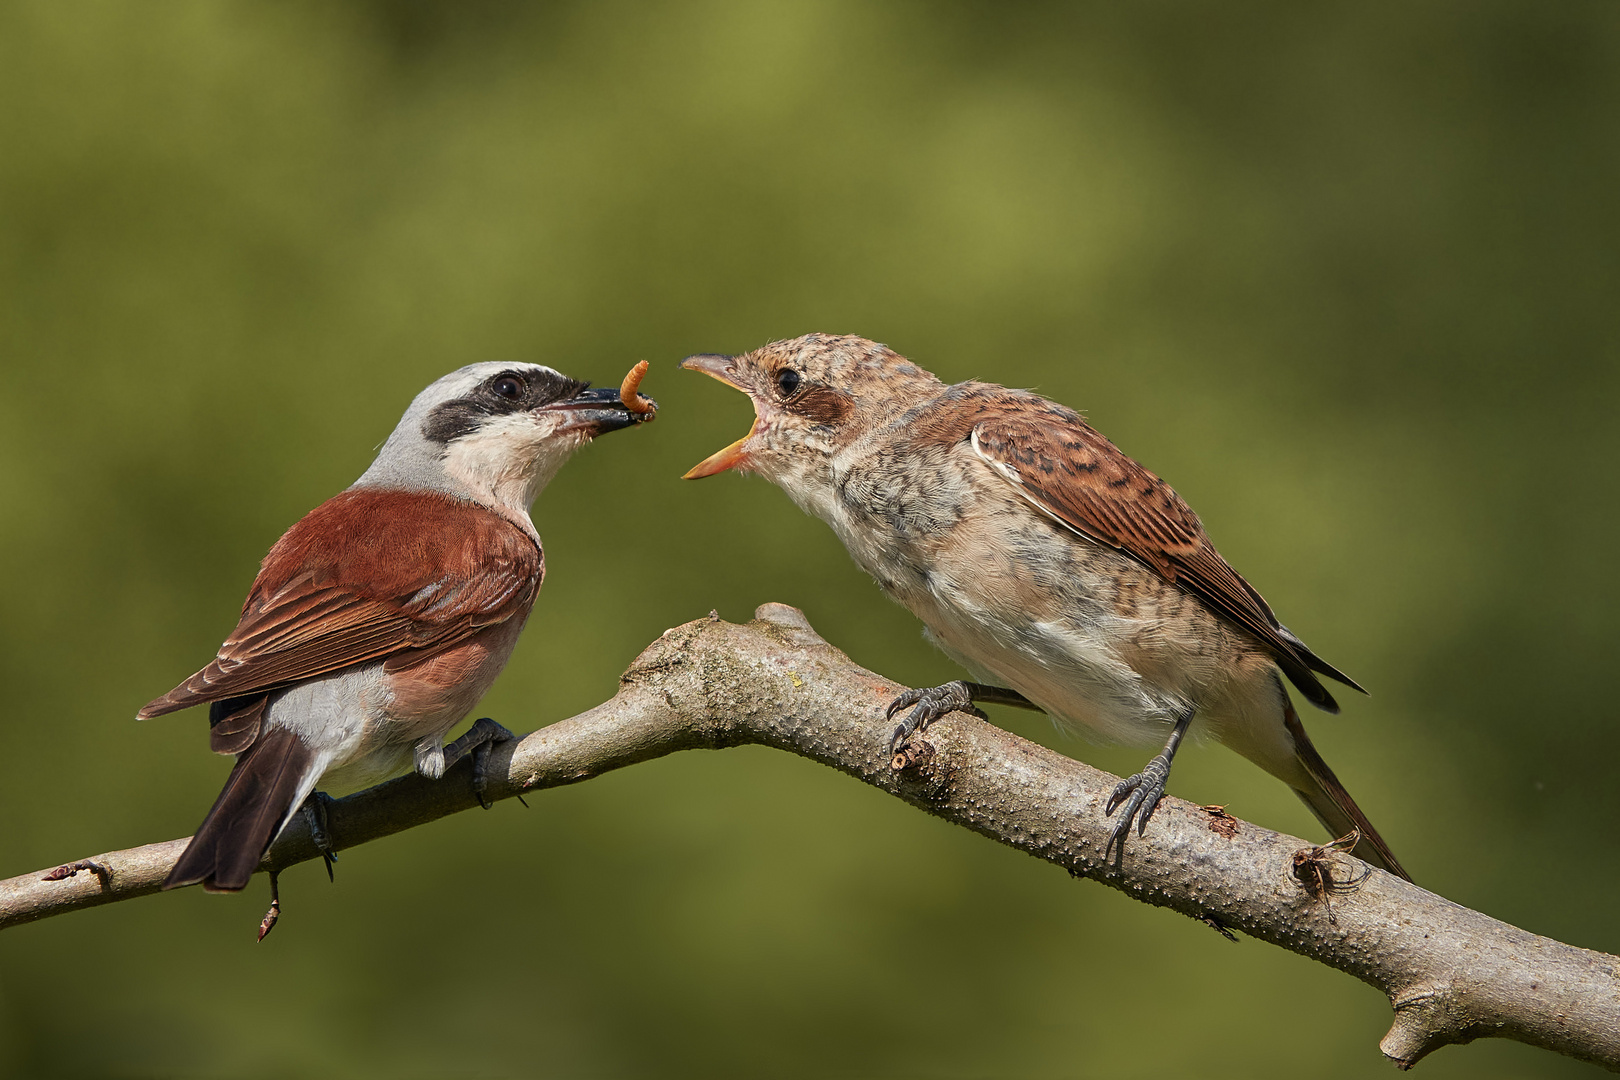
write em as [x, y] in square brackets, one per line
[596, 412]
[715, 366]
[722, 368]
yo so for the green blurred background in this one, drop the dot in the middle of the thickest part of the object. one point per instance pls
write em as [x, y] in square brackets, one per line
[1347, 277]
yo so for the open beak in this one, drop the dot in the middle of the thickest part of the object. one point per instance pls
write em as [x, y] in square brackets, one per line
[596, 412]
[724, 369]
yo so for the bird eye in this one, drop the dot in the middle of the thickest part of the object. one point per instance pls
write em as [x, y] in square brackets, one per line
[509, 387]
[787, 381]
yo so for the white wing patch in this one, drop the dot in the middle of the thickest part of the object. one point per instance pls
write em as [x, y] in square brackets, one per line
[1002, 467]
[1010, 473]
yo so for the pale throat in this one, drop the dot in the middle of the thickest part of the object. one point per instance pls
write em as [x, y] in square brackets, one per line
[812, 481]
[508, 463]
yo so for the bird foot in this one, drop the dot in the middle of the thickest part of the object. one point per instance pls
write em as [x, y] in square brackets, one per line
[930, 703]
[315, 814]
[480, 739]
[1144, 790]
[271, 917]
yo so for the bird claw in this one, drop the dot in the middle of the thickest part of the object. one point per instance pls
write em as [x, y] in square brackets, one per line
[927, 705]
[480, 739]
[1144, 790]
[315, 813]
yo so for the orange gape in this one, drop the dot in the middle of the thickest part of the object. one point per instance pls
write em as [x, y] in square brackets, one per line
[633, 401]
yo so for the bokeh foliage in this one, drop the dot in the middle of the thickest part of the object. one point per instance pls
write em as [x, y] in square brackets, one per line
[1347, 276]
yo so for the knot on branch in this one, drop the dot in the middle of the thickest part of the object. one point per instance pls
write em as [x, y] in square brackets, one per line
[916, 754]
[786, 616]
[67, 870]
[1427, 1017]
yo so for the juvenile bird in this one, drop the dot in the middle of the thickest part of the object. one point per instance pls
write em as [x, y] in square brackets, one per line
[1041, 559]
[378, 621]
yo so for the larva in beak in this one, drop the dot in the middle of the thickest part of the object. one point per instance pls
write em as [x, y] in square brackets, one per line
[634, 401]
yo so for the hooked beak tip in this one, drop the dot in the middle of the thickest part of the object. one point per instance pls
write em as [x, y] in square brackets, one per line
[714, 365]
[598, 411]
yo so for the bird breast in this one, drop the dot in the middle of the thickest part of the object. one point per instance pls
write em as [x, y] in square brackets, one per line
[431, 697]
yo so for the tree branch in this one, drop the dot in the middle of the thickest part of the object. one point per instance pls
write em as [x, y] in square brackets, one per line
[1451, 974]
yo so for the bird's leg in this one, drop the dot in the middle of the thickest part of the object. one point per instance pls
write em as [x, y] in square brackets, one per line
[314, 811]
[268, 923]
[1145, 789]
[933, 702]
[483, 736]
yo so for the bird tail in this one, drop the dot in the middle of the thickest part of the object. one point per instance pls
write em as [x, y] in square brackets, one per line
[1333, 805]
[270, 779]
[1316, 663]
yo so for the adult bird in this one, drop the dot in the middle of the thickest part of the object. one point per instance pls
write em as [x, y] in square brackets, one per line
[379, 620]
[1041, 558]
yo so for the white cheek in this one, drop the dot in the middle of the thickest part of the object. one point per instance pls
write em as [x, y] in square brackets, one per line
[511, 460]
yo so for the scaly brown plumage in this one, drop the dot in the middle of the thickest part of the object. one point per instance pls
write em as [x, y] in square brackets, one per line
[1039, 556]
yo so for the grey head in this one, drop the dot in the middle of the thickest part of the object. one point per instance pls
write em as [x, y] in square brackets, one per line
[495, 433]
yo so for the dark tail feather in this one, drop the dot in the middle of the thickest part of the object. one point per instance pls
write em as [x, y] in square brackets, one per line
[238, 830]
[1316, 663]
[1299, 673]
[1333, 805]
[234, 725]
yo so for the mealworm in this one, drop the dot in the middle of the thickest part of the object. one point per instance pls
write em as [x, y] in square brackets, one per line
[636, 403]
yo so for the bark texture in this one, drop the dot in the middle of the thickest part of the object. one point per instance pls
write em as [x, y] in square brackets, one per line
[1451, 974]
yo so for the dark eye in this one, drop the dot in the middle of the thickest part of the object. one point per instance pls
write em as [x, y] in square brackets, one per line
[509, 387]
[787, 381]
